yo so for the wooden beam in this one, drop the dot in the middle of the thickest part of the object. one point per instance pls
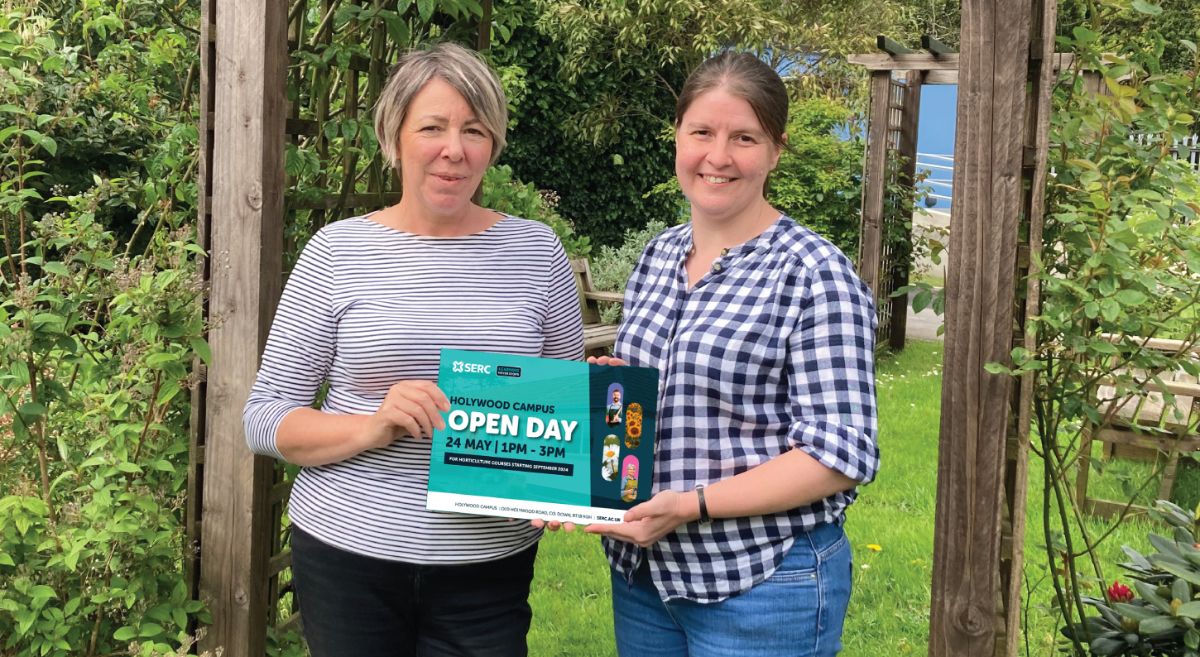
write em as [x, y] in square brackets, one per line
[913, 62]
[966, 615]
[936, 64]
[941, 77]
[247, 231]
[936, 47]
[870, 246]
[892, 47]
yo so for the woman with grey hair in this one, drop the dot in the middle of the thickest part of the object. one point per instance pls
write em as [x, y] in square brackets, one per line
[367, 309]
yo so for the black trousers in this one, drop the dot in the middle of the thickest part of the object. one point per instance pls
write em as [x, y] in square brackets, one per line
[356, 606]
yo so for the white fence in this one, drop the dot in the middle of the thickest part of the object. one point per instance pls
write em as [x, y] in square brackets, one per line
[1187, 148]
[941, 167]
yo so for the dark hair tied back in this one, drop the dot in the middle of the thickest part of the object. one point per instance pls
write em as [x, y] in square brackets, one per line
[746, 77]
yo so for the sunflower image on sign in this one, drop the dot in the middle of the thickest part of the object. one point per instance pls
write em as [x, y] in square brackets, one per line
[633, 425]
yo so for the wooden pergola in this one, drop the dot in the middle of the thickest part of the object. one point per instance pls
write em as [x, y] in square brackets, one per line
[1004, 72]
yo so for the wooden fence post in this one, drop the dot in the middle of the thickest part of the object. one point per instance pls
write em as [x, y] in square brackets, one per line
[971, 608]
[245, 269]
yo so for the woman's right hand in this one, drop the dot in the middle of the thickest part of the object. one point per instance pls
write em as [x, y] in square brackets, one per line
[410, 407]
[605, 360]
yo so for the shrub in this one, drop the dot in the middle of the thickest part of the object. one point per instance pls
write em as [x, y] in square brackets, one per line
[819, 179]
[611, 269]
[97, 349]
[1162, 618]
[504, 194]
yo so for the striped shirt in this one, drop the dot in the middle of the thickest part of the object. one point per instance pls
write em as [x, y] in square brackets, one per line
[772, 350]
[367, 306]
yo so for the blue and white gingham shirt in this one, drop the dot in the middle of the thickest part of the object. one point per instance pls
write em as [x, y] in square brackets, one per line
[771, 350]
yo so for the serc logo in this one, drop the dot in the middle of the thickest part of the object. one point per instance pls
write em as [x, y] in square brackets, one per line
[459, 366]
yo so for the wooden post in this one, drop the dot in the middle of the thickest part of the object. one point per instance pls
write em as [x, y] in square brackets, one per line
[199, 399]
[967, 612]
[907, 150]
[245, 265]
[870, 245]
[1035, 169]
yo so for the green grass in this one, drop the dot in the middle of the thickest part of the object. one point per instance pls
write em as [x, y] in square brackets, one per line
[890, 528]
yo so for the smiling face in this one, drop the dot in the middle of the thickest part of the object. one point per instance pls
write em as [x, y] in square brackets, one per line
[444, 150]
[722, 157]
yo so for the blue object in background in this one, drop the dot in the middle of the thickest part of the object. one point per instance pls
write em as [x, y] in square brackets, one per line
[935, 140]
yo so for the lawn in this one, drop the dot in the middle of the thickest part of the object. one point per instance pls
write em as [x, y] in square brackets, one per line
[890, 527]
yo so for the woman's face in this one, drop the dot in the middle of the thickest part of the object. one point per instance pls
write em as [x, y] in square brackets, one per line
[722, 156]
[444, 150]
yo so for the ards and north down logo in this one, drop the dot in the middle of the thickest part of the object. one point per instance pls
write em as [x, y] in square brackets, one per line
[463, 367]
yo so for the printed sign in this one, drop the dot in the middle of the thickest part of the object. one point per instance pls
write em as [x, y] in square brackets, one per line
[542, 438]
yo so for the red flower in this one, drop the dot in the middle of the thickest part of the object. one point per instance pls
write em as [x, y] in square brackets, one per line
[1118, 592]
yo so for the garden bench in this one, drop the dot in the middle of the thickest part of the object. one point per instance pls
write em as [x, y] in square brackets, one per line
[1145, 425]
[598, 338]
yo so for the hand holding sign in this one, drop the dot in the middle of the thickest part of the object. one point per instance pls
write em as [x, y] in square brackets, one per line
[410, 408]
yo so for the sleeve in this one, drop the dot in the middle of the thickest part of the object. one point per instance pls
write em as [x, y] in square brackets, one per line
[562, 330]
[299, 349]
[832, 371]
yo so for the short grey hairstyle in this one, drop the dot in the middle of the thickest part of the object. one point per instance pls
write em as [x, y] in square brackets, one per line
[462, 69]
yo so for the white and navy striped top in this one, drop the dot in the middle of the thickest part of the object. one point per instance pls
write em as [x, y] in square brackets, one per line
[367, 306]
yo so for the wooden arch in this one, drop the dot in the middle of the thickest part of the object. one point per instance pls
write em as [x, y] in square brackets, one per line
[1004, 73]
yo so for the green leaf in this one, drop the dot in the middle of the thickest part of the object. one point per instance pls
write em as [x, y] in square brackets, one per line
[1156, 625]
[56, 268]
[167, 392]
[160, 358]
[1134, 611]
[125, 634]
[131, 468]
[200, 346]
[63, 452]
[32, 410]
[1190, 609]
[1179, 571]
[1180, 590]
[425, 8]
[1149, 594]
[1131, 297]
[1144, 7]
[996, 368]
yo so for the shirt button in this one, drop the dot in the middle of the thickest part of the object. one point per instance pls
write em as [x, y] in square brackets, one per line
[724, 252]
[716, 267]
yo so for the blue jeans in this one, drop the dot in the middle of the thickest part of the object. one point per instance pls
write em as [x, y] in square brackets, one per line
[357, 606]
[798, 611]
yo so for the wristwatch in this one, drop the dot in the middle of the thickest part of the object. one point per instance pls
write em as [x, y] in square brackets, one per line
[704, 519]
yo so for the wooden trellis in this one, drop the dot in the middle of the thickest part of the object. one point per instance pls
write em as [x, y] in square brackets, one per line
[279, 96]
[888, 170]
[251, 115]
[1005, 74]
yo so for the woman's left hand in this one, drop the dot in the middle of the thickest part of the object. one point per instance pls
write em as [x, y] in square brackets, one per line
[553, 525]
[649, 521]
